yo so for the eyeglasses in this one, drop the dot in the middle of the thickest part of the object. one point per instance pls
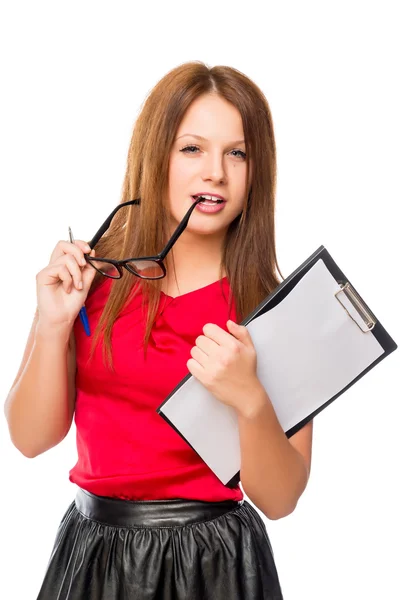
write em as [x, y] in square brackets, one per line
[146, 267]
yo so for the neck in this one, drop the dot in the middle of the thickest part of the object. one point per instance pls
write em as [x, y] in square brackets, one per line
[194, 259]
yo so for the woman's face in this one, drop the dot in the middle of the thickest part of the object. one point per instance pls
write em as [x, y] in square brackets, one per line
[208, 156]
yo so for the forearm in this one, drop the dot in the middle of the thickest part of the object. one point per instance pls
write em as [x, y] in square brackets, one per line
[273, 474]
[37, 409]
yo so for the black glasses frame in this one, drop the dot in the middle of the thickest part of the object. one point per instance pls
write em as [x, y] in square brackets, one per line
[159, 258]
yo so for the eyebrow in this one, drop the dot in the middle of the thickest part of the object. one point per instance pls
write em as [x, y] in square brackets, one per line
[205, 139]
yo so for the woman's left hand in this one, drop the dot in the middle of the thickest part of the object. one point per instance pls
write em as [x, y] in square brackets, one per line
[226, 363]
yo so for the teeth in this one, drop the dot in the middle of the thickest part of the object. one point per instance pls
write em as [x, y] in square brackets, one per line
[210, 197]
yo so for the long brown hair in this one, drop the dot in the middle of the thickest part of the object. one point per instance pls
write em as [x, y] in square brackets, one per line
[249, 254]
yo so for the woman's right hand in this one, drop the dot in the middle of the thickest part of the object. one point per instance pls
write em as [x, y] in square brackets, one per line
[59, 297]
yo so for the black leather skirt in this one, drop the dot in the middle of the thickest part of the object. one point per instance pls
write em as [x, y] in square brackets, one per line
[113, 549]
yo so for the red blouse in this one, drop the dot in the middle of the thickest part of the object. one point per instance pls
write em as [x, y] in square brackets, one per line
[125, 448]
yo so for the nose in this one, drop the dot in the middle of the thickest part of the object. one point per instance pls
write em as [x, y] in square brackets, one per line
[213, 168]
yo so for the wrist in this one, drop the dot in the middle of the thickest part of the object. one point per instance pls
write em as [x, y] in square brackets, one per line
[50, 332]
[255, 405]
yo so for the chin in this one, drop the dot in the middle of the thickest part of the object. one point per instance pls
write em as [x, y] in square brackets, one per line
[207, 229]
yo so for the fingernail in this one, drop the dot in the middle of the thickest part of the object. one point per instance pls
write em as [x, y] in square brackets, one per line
[80, 285]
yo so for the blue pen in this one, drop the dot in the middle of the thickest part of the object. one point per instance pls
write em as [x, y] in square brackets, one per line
[82, 313]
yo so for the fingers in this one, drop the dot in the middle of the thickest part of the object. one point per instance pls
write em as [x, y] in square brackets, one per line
[88, 272]
[69, 271]
[77, 249]
[75, 271]
[55, 273]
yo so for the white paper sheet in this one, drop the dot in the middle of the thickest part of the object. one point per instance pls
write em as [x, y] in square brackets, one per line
[308, 350]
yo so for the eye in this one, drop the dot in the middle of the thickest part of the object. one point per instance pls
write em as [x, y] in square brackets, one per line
[187, 148]
[243, 154]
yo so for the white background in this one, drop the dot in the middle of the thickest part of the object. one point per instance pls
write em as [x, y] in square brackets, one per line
[74, 76]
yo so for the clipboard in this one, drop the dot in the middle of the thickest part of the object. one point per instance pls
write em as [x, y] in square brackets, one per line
[211, 428]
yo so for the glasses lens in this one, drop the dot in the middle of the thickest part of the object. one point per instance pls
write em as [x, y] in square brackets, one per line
[106, 268]
[145, 268]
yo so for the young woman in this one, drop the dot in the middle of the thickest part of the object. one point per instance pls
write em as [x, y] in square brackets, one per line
[150, 520]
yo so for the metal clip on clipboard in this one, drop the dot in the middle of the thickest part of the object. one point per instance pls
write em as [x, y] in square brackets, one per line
[358, 304]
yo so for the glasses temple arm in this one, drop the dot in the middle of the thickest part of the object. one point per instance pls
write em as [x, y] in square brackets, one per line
[107, 222]
[179, 230]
